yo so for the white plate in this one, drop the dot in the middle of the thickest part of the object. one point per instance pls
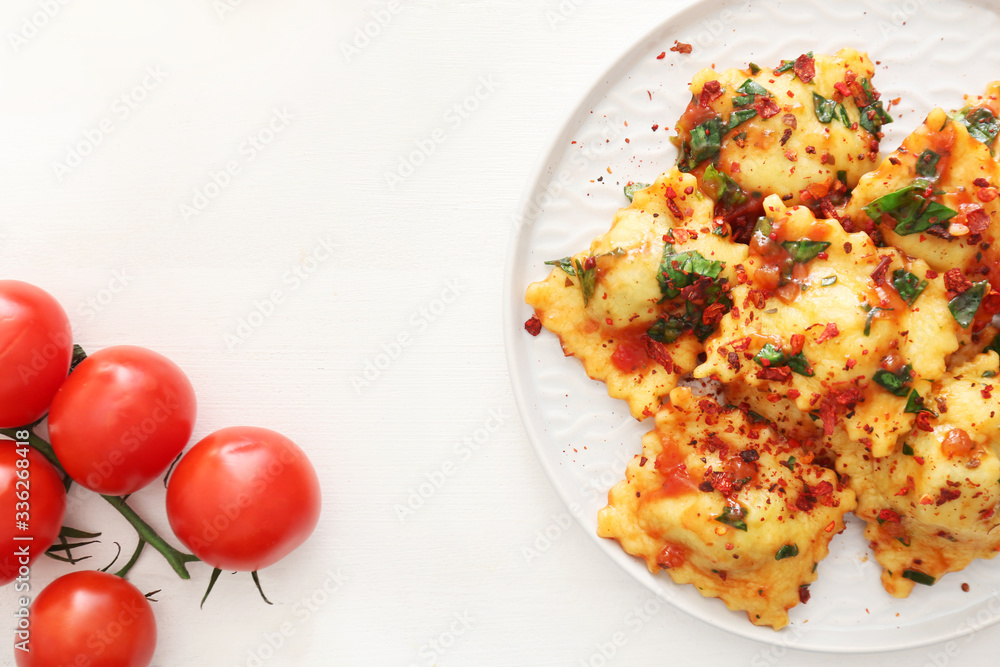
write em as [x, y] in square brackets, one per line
[929, 54]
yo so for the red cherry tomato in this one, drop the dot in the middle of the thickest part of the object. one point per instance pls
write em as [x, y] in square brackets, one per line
[36, 348]
[243, 498]
[32, 504]
[87, 618]
[121, 418]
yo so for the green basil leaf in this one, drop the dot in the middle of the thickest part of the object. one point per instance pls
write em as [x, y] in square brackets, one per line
[910, 209]
[919, 577]
[727, 191]
[787, 551]
[872, 314]
[907, 450]
[770, 354]
[803, 251]
[680, 269]
[841, 113]
[667, 329]
[751, 87]
[742, 100]
[824, 108]
[799, 364]
[566, 264]
[829, 280]
[784, 67]
[964, 306]
[754, 68]
[927, 163]
[915, 404]
[706, 141]
[632, 188]
[894, 383]
[908, 285]
[739, 117]
[874, 116]
[734, 516]
[588, 280]
[983, 126]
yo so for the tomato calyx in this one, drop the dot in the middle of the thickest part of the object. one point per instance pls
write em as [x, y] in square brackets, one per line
[215, 577]
[63, 550]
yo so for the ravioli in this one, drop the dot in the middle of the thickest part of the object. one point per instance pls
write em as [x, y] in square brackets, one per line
[846, 331]
[935, 198]
[607, 304]
[930, 507]
[805, 131]
[729, 506]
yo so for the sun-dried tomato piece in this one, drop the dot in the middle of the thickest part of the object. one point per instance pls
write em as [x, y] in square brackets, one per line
[955, 281]
[533, 325]
[805, 68]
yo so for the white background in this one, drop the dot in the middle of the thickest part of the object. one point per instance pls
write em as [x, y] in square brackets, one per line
[386, 363]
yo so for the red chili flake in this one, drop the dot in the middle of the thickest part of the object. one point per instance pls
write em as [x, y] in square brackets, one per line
[889, 515]
[848, 247]
[533, 325]
[924, 422]
[981, 183]
[680, 47]
[658, 352]
[878, 275]
[789, 120]
[675, 210]
[851, 363]
[894, 161]
[741, 274]
[589, 263]
[711, 91]
[931, 274]
[986, 194]
[804, 503]
[792, 156]
[811, 150]
[642, 461]
[656, 126]
[741, 344]
[842, 88]
[947, 495]
[662, 55]
[805, 68]
[766, 107]
[689, 189]
[831, 331]
[796, 343]
[776, 373]
[786, 136]
[955, 281]
[977, 220]
[804, 593]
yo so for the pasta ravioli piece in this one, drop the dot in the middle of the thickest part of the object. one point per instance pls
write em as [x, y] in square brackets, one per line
[842, 329]
[727, 505]
[930, 508]
[805, 130]
[935, 198]
[608, 305]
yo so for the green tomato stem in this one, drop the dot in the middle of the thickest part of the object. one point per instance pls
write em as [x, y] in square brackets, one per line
[177, 559]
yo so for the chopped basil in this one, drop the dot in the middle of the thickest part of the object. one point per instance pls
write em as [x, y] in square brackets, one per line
[829, 280]
[588, 280]
[894, 383]
[742, 100]
[733, 516]
[705, 143]
[919, 577]
[680, 269]
[632, 188]
[964, 306]
[905, 541]
[752, 88]
[908, 285]
[727, 191]
[790, 463]
[827, 110]
[927, 163]
[784, 66]
[989, 374]
[740, 137]
[983, 126]
[754, 68]
[907, 450]
[915, 404]
[803, 251]
[872, 314]
[764, 226]
[770, 357]
[873, 117]
[842, 176]
[787, 551]
[739, 117]
[667, 329]
[566, 264]
[911, 210]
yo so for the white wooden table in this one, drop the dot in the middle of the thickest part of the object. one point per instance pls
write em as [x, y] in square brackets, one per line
[306, 204]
